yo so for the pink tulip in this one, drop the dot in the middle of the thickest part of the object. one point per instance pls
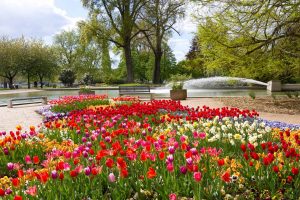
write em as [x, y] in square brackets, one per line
[202, 135]
[197, 176]
[172, 196]
[27, 159]
[111, 177]
[32, 190]
[170, 167]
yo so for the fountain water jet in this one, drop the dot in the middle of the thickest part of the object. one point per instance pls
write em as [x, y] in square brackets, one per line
[219, 82]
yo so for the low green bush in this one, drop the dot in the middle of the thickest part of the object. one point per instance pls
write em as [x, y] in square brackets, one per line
[252, 95]
[65, 108]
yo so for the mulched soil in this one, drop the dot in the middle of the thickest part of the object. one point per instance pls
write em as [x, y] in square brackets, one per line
[281, 105]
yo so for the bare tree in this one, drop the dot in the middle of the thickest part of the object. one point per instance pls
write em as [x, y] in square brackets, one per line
[158, 20]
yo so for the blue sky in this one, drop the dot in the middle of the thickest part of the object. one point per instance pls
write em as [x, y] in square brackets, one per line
[44, 18]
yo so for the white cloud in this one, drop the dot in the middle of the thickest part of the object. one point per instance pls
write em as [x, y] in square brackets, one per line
[33, 18]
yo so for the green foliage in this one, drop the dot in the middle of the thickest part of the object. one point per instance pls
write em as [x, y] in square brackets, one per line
[11, 58]
[65, 108]
[177, 86]
[88, 79]
[235, 41]
[67, 77]
[289, 94]
[178, 81]
[252, 95]
[85, 90]
[30, 58]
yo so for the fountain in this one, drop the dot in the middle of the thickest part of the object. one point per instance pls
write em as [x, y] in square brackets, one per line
[217, 87]
[219, 82]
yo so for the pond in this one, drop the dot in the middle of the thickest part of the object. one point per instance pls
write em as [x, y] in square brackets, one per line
[158, 93]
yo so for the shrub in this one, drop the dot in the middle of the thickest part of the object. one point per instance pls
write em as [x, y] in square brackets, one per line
[88, 79]
[288, 94]
[252, 95]
[85, 90]
[177, 81]
[67, 77]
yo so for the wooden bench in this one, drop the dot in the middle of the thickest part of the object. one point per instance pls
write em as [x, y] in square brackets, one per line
[10, 102]
[135, 90]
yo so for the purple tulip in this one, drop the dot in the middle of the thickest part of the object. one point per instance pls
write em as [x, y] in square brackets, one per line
[170, 158]
[183, 169]
[6, 151]
[87, 171]
[10, 166]
[83, 139]
[54, 174]
[189, 161]
[171, 149]
[8, 191]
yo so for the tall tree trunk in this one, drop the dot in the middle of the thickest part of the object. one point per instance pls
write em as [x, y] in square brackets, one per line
[128, 60]
[156, 71]
[10, 82]
[41, 81]
[5, 83]
[28, 80]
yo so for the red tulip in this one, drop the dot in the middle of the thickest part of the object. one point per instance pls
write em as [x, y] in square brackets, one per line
[36, 160]
[276, 169]
[151, 173]
[15, 182]
[2, 192]
[295, 171]
[221, 162]
[226, 177]
[243, 147]
[73, 173]
[254, 155]
[109, 162]
[17, 197]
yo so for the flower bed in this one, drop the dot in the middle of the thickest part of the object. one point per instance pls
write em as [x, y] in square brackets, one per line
[70, 103]
[148, 150]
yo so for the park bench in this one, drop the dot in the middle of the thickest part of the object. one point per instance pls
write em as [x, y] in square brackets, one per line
[20, 101]
[135, 90]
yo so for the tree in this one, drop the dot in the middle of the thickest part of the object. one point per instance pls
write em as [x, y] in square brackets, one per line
[68, 47]
[121, 17]
[31, 58]
[74, 54]
[90, 33]
[253, 39]
[88, 79]
[194, 49]
[67, 77]
[159, 18]
[11, 55]
[46, 64]
[259, 25]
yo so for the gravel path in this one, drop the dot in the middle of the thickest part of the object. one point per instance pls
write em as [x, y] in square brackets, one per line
[19, 115]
